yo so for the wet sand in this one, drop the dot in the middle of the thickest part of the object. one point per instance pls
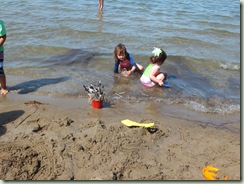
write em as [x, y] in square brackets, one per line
[44, 138]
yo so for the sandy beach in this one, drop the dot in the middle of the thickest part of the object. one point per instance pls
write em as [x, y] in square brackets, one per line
[45, 138]
[49, 130]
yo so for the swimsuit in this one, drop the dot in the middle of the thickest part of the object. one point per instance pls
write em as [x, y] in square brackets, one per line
[145, 79]
[128, 63]
[125, 64]
[2, 33]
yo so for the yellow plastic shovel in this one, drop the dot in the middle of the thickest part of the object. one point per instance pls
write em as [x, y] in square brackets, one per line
[130, 123]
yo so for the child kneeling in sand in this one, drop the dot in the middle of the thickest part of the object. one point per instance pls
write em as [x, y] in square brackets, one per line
[152, 75]
[124, 61]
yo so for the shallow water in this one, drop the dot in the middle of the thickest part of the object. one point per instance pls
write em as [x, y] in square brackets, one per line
[55, 47]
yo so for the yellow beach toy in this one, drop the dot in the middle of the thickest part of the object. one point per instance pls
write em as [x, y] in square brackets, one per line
[130, 123]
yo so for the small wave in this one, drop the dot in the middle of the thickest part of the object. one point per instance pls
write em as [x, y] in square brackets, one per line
[230, 66]
[212, 106]
[216, 109]
[223, 32]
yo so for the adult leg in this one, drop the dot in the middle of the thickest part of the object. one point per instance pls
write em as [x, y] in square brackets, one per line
[4, 90]
[100, 6]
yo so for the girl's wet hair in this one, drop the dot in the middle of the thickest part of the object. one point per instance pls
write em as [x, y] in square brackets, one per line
[120, 49]
[159, 59]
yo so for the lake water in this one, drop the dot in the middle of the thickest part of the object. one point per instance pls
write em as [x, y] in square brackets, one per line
[55, 47]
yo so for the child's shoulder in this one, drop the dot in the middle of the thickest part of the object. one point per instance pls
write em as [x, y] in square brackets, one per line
[129, 56]
[155, 66]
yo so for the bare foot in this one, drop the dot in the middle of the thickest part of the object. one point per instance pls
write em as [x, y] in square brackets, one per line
[4, 91]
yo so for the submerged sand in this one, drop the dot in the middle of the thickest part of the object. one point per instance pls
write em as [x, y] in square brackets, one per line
[44, 138]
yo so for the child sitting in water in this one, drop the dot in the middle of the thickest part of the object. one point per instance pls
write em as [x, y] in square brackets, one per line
[152, 75]
[124, 61]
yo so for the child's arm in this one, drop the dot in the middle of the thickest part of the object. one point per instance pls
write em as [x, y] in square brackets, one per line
[116, 66]
[131, 70]
[2, 39]
[133, 63]
[153, 75]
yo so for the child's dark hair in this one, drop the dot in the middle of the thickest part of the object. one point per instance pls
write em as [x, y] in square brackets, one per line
[159, 59]
[120, 49]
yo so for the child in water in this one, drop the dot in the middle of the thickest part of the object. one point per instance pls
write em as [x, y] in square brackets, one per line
[152, 74]
[124, 61]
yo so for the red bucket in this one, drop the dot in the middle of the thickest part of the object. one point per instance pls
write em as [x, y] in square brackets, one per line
[97, 104]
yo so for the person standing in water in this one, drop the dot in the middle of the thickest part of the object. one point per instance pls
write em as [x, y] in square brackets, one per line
[100, 4]
[3, 36]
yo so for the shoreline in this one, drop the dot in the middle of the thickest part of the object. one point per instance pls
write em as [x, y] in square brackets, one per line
[66, 139]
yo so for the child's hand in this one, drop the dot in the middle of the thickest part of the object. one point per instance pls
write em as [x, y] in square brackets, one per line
[161, 83]
[129, 72]
[125, 73]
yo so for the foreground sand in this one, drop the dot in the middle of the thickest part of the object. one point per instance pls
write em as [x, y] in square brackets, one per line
[65, 139]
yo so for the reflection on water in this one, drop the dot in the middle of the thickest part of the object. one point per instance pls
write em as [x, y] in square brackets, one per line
[100, 21]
